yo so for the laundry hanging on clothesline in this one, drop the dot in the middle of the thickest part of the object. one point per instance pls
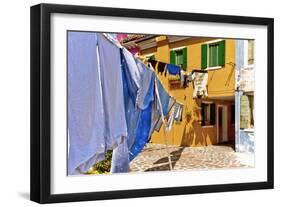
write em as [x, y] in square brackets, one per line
[178, 112]
[138, 109]
[147, 118]
[162, 67]
[200, 81]
[171, 120]
[172, 70]
[96, 113]
[139, 96]
[111, 104]
[175, 115]
[146, 110]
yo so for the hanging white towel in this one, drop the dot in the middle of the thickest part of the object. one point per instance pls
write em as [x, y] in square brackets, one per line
[171, 120]
[178, 111]
[200, 81]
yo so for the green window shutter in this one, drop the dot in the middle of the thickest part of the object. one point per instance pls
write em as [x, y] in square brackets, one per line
[152, 57]
[184, 59]
[213, 114]
[203, 118]
[216, 59]
[211, 54]
[222, 53]
[172, 56]
[178, 57]
[204, 56]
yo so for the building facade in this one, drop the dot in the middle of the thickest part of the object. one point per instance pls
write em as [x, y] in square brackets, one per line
[244, 96]
[208, 118]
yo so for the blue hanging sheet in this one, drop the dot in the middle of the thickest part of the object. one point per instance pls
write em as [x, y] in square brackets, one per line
[173, 69]
[120, 157]
[144, 124]
[138, 106]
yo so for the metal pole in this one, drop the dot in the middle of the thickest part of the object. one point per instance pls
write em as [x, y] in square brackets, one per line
[164, 125]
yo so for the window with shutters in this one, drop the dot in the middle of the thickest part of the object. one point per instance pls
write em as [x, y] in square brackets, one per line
[213, 55]
[150, 56]
[179, 57]
[208, 114]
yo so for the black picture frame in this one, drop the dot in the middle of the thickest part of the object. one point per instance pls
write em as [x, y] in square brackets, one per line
[41, 98]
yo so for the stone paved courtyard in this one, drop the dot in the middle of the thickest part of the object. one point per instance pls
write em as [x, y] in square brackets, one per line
[154, 158]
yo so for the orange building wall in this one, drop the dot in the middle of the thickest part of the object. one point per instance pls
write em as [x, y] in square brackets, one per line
[221, 84]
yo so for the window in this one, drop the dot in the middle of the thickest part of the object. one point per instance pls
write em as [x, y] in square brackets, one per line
[150, 57]
[250, 52]
[208, 114]
[179, 57]
[213, 55]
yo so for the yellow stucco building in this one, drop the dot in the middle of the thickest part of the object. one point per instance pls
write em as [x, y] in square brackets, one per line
[207, 120]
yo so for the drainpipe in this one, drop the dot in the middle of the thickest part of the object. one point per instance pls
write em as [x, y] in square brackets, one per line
[237, 120]
[239, 63]
[237, 111]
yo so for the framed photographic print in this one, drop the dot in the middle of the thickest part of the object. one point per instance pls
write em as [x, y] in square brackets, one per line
[132, 103]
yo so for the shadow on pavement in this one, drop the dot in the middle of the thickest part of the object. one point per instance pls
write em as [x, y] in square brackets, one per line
[175, 156]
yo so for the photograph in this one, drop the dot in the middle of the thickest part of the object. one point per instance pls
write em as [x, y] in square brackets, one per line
[146, 103]
[129, 103]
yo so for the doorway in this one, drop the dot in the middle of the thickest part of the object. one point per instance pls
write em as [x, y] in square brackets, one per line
[222, 124]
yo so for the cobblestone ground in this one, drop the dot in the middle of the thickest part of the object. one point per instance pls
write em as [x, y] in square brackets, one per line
[154, 158]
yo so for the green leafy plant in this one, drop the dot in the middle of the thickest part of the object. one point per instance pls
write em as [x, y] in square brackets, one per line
[103, 166]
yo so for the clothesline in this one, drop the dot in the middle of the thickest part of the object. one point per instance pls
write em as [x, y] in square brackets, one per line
[199, 71]
[193, 71]
[149, 60]
[163, 67]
